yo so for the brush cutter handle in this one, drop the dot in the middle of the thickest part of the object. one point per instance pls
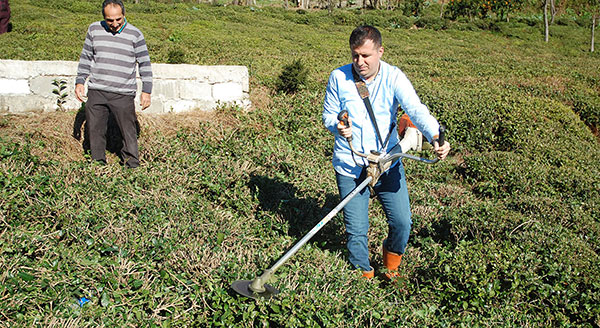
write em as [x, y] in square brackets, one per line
[343, 117]
[396, 152]
[441, 138]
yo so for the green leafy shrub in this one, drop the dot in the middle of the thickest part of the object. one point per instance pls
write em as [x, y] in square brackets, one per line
[345, 17]
[588, 108]
[176, 56]
[464, 8]
[400, 21]
[531, 20]
[413, 7]
[434, 23]
[60, 92]
[292, 77]
[566, 20]
[372, 17]
[500, 174]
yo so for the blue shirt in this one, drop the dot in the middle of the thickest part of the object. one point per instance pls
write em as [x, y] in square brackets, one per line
[389, 90]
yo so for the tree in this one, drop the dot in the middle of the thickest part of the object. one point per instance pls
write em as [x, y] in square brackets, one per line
[594, 8]
[585, 9]
[552, 11]
[594, 18]
[546, 27]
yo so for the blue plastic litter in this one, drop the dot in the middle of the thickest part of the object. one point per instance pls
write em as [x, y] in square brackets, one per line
[82, 301]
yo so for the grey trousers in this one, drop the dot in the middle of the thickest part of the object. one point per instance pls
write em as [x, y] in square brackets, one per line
[97, 109]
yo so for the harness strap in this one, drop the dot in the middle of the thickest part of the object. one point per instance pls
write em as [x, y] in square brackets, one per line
[363, 92]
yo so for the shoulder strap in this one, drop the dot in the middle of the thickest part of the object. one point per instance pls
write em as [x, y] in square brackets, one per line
[363, 92]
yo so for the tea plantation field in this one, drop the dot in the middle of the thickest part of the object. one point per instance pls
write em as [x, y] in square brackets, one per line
[506, 231]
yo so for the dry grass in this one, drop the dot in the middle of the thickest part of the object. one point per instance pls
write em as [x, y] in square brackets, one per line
[53, 131]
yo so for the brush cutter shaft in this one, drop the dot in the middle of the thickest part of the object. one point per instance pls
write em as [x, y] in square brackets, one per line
[258, 284]
[320, 225]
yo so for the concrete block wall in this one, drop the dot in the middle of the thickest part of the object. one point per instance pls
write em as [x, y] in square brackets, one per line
[26, 86]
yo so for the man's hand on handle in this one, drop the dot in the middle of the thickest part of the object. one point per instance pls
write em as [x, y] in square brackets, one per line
[441, 151]
[345, 130]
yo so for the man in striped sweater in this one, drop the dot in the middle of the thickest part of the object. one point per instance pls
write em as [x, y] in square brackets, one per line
[110, 53]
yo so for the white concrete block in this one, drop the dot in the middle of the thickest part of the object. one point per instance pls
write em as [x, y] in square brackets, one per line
[30, 103]
[178, 106]
[209, 74]
[163, 89]
[42, 85]
[195, 90]
[3, 106]
[225, 92]
[156, 106]
[23, 69]
[14, 86]
[236, 74]
[57, 67]
[16, 69]
[178, 71]
[27, 86]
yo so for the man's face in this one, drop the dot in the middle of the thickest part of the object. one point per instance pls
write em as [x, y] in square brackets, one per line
[365, 59]
[113, 15]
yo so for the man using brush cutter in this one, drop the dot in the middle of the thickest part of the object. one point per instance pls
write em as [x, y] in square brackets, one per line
[368, 94]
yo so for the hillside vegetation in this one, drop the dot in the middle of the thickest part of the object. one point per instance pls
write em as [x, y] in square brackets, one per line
[506, 231]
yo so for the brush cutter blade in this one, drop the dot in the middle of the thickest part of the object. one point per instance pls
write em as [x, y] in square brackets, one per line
[242, 287]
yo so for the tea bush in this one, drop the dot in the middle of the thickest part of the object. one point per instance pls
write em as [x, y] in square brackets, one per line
[292, 77]
[504, 231]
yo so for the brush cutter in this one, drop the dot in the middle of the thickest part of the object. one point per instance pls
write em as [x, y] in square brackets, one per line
[378, 164]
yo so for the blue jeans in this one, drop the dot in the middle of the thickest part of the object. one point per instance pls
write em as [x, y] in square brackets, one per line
[392, 193]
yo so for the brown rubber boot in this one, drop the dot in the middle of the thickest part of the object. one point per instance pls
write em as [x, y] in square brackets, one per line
[391, 261]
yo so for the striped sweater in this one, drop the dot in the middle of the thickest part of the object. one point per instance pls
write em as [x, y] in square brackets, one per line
[110, 60]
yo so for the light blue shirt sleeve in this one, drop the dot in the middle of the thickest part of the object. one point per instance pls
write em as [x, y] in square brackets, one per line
[411, 104]
[331, 105]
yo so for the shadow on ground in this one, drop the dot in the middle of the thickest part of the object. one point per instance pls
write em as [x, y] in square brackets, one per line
[291, 214]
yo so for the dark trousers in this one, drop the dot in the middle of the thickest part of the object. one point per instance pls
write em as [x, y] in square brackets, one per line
[97, 109]
[4, 21]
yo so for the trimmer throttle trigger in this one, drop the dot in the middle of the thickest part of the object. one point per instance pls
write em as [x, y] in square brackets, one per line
[343, 117]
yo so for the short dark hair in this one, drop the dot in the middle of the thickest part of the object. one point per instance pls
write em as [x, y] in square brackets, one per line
[363, 33]
[114, 3]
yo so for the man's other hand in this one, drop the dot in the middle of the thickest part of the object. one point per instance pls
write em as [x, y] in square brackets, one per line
[441, 151]
[80, 92]
[145, 100]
